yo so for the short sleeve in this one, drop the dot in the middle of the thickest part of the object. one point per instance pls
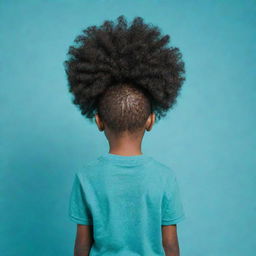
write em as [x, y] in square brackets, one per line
[173, 210]
[78, 209]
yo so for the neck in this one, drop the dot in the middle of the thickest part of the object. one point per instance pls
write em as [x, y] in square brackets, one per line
[125, 146]
[125, 151]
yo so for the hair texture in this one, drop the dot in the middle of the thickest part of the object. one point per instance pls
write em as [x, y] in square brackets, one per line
[124, 72]
[124, 107]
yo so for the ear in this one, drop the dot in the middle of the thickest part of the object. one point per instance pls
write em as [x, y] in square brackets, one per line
[99, 122]
[150, 122]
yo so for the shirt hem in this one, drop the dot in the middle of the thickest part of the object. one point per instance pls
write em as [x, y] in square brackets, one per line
[80, 220]
[173, 221]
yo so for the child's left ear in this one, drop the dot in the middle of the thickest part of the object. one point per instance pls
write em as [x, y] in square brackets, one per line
[99, 122]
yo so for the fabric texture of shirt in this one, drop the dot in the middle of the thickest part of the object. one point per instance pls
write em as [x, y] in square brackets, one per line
[126, 199]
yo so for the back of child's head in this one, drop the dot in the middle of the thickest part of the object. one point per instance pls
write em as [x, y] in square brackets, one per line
[124, 72]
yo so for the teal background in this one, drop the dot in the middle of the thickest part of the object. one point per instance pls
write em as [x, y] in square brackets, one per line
[208, 138]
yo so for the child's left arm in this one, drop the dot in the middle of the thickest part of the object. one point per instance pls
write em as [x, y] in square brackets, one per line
[84, 240]
[79, 213]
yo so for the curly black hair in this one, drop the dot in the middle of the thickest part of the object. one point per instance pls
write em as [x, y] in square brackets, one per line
[124, 72]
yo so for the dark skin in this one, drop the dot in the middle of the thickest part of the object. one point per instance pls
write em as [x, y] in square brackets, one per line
[125, 144]
[84, 240]
[170, 240]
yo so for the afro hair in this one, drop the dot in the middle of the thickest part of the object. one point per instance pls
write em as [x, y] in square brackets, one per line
[110, 63]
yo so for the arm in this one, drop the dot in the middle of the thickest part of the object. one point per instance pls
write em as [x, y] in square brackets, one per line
[84, 240]
[170, 240]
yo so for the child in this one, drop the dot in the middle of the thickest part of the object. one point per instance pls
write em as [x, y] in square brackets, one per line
[125, 202]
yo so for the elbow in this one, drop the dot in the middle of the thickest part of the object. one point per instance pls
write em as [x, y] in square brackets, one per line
[82, 250]
[171, 250]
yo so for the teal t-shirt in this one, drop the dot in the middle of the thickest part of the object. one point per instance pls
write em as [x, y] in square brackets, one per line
[126, 199]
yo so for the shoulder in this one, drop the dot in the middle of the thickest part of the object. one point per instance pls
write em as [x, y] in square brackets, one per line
[165, 169]
[88, 168]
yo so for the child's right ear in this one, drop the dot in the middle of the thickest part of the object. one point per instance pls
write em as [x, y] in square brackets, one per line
[99, 122]
[150, 122]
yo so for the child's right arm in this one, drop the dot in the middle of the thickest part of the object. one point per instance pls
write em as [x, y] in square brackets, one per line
[170, 240]
[172, 213]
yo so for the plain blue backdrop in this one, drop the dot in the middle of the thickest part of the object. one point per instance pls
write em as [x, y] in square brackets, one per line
[208, 137]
